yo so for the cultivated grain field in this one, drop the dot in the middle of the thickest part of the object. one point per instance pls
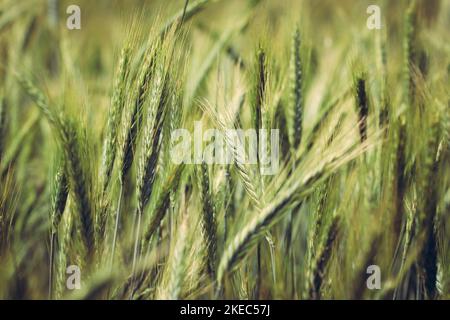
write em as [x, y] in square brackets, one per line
[96, 204]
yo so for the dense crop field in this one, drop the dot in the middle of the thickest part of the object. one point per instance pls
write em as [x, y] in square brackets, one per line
[113, 184]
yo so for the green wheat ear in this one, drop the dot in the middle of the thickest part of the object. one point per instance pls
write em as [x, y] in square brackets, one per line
[362, 104]
[322, 260]
[250, 234]
[178, 262]
[59, 196]
[315, 234]
[60, 193]
[259, 91]
[409, 52]
[170, 185]
[2, 123]
[296, 88]
[209, 224]
[79, 179]
[71, 141]
[364, 159]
